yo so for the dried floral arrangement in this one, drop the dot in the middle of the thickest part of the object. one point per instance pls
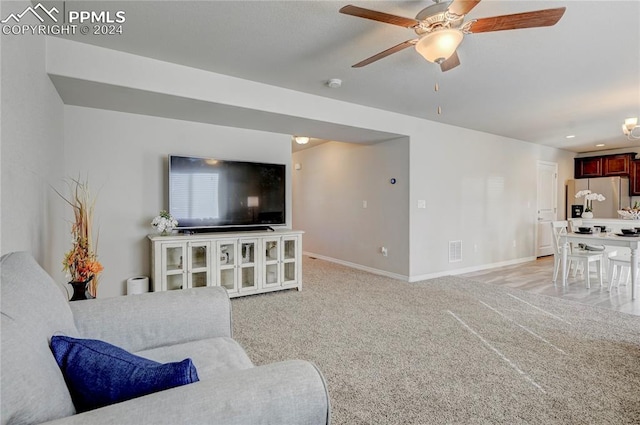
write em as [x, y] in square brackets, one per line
[81, 262]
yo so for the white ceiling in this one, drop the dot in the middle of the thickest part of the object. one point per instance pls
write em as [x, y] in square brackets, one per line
[581, 76]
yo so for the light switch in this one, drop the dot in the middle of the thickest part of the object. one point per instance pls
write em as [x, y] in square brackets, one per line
[364, 204]
[422, 203]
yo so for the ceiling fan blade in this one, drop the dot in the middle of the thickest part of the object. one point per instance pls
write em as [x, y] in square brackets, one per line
[462, 7]
[379, 16]
[450, 63]
[386, 53]
[538, 18]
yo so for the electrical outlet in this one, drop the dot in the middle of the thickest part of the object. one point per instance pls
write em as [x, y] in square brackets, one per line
[514, 243]
[475, 247]
[422, 203]
[384, 251]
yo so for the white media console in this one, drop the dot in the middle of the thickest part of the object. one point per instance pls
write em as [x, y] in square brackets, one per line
[244, 263]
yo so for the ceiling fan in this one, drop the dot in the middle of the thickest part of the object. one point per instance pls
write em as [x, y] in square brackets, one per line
[441, 28]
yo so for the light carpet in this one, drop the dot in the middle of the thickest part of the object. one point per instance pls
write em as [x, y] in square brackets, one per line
[448, 350]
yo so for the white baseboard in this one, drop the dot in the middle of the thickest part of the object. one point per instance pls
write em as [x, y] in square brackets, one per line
[420, 277]
[471, 269]
[358, 266]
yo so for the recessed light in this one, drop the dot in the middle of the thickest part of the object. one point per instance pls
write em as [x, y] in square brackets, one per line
[571, 136]
[599, 145]
[301, 140]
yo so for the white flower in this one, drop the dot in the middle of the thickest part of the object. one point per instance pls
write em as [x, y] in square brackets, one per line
[594, 197]
[164, 222]
[583, 193]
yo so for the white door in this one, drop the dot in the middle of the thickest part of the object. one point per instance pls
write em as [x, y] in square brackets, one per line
[547, 206]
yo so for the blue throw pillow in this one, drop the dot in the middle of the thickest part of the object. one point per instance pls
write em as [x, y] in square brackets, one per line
[99, 374]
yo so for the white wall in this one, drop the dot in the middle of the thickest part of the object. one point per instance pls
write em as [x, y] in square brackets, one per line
[480, 189]
[329, 190]
[124, 157]
[32, 150]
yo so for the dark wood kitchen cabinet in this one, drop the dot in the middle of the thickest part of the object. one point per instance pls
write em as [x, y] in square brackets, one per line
[617, 165]
[634, 178]
[604, 166]
[588, 167]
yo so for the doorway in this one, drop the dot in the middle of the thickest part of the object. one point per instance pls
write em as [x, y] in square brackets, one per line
[547, 206]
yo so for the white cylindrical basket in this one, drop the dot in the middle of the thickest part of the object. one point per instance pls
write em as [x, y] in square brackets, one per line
[137, 285]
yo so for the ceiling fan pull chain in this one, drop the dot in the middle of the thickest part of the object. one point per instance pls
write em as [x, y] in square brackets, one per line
[436, 75]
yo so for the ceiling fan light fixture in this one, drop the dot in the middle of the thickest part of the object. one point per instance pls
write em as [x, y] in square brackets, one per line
[630, 123]
[301, 140]
[438, 45]
[631, 129]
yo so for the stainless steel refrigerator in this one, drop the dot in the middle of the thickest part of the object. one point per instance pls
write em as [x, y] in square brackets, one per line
[614, 189]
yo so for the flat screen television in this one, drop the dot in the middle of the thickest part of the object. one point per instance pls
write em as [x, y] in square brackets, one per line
[210, 193]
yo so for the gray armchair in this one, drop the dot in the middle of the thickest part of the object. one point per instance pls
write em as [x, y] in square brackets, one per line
[165, 327]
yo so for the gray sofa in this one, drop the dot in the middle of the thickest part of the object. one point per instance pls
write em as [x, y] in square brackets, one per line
[168, 326]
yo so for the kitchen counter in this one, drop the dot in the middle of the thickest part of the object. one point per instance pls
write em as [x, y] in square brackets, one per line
[614, 223]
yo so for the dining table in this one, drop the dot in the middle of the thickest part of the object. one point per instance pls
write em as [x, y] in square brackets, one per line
[610, 239]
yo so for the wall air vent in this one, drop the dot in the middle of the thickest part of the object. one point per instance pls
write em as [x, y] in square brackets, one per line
[455, 251]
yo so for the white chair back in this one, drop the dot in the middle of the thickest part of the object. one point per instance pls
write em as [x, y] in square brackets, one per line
[585, 257]
[558, 229]
[574, 223]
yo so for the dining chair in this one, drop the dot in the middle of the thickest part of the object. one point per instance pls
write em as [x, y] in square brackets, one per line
[619, 265]
[575, 256]
[574, 223]
[609, 251]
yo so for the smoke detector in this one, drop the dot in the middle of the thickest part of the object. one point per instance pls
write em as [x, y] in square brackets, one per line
[334, 83]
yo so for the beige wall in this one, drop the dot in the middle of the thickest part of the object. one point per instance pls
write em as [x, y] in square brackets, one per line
[329, 189]
[32, 151]
[478, 188]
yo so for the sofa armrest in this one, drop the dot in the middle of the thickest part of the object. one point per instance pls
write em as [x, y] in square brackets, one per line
[145, 321]
[291, 392]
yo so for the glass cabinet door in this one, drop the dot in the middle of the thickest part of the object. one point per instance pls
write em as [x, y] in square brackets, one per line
[226, 260]
[243, 263]
[173, 266]
[271, 266]
[247, 256]
[199, 264]
[290, 260]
